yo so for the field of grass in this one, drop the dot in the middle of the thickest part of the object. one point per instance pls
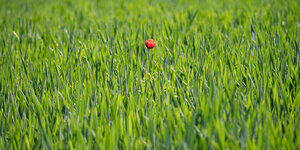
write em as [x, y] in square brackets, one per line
[76, 74]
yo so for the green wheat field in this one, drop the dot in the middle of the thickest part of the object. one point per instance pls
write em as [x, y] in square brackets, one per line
[75, 74]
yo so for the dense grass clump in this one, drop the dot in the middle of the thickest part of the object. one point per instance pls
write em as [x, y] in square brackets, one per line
[76, 74]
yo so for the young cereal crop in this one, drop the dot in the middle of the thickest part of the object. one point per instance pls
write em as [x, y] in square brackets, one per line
[76, 74]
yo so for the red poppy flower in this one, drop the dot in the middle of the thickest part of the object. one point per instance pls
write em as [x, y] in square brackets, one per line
[150, 43]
